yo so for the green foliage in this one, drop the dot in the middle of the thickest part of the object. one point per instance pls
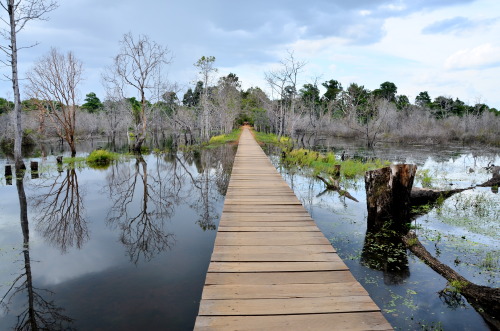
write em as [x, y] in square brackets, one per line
[333, 89]
[424, 177]
[225, 138]
[270, 138]
[7, 144]
[136, 109]
[101, 158]
[92, 103]
[5, 105]
[324, 163]
[386, 91]
[423, 99]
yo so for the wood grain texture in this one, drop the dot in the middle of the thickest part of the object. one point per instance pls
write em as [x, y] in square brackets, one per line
[271, 267]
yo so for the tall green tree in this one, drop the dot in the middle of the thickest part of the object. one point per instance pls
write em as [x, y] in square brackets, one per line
[386, 91]
[333, 89]
[92, 103]
[423, 99]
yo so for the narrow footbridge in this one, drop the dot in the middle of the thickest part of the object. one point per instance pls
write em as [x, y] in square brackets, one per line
[272, 268]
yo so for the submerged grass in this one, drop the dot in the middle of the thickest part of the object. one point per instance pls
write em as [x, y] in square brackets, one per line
[270, 138]
[233, 136]
[319, 163]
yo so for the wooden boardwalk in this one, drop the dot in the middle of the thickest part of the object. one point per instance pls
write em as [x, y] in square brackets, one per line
[272, 268]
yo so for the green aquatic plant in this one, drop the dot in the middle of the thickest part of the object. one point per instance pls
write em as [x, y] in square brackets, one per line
[101, 158]
[328, 163]
[225, 138]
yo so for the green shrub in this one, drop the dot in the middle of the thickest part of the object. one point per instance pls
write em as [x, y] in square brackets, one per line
[101, 158]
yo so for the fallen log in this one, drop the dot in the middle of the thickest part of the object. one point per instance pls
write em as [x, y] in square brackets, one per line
[423, 196]
[486, 300]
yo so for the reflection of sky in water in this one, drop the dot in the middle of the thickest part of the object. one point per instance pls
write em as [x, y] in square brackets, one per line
[98, 285]
[415, 300]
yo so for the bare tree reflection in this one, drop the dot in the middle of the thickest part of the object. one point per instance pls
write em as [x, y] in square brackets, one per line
[38, 313]
[141, 205]
[214, 171]
[60, 216]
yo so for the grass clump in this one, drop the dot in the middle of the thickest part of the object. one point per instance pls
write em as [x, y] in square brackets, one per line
[325, 163]
[101, 158]
[225, 138]
[270, 138]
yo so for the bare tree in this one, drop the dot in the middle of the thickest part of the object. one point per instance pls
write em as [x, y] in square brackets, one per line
[283, 82]
[20, 12]
[206, 66]
[139, 65]
[53, 82]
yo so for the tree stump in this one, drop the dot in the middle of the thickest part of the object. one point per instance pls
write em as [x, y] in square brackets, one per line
[8, 175]
[388, 193]
[34, 169]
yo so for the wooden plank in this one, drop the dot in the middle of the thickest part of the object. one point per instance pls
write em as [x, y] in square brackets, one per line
[262, 278]
[287, 306]
[274, 257]
[273, 266]
[317, 322]
[301, 249]
[282, 291]
[283, 224]
[236, 238]
[310, 228]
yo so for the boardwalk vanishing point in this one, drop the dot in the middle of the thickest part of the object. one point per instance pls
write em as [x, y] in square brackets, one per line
[271, 267]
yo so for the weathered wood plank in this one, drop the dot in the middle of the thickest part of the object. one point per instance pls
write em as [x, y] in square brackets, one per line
[282, 291]
[310, 228]
[273, 266]
[301, 249]
[263, 278]
[317, 322]
[288, 306]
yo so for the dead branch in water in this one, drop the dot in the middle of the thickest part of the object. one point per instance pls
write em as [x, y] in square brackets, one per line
[334, 186]
[486, 300]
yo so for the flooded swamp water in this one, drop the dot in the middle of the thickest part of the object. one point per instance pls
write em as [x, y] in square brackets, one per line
[463, 232]
[121, 248]
[127, 247]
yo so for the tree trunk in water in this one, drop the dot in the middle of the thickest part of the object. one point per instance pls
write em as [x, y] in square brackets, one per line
[15, 85]
[486, 300]
[8, 175]
[34, 170]
[388, 196]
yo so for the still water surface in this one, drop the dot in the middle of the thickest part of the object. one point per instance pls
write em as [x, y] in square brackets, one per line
[127, 247]
[122, 248]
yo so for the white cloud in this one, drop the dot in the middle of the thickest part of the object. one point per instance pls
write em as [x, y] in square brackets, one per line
[483, 56]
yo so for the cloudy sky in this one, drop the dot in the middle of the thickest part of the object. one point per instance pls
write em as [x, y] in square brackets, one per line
[445, 47]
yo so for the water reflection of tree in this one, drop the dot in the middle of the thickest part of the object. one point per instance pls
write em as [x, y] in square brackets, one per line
[39, 313]
[386, 252]
[60, 216]
[214, 171]
[141, 204]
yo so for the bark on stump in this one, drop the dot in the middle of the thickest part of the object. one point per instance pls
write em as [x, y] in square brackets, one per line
[34, 169]
[388, 193]
[8, 175]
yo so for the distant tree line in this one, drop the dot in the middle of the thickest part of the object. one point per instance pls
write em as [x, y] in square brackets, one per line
[141, 104]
